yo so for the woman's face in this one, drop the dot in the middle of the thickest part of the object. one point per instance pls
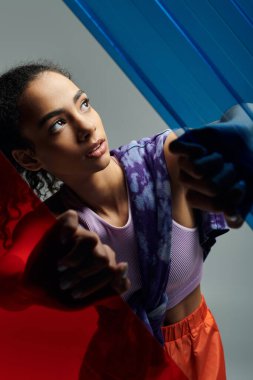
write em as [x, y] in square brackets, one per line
[67, 133]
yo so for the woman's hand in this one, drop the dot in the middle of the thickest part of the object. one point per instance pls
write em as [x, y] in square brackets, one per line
[216, 164]
[73, 267]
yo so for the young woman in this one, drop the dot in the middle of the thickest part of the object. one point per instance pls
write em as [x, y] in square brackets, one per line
[130, 197]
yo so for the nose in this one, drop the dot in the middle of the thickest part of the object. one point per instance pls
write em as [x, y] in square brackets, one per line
[85, 127]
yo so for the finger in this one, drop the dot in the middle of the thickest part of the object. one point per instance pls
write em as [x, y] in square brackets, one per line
[235, 221]
[206, 166]
[84, 271]
[203, 202]
[60, 235]
[76, 280]
[117, 279]
[187, 166]
[66, 225]
[226, 202]
[110, 254]
[84, 248]
[218, 183]
[121, 285]
[73, 277]
[234, 197]
[90, 264]
[209, 165]
[211, 138]
[225, 178]
[191, 149]
[116, 275]
[197, 184]
[81, 294]
[57, 241]
[85, 255]
[207, 137]
[121, 282]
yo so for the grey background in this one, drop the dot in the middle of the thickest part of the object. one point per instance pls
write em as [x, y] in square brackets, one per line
[32, 29]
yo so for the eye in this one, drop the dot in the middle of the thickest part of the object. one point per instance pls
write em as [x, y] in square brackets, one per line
[85, 105]
[57, 126]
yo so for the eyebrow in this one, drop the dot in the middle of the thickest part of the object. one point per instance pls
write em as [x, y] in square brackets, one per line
[58, 111]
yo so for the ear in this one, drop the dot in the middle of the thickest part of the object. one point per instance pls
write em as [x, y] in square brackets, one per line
[27, 159]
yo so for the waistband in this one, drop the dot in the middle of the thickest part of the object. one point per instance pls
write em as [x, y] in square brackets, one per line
[187, 325]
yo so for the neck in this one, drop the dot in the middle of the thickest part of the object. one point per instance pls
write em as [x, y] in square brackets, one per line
[104, 191]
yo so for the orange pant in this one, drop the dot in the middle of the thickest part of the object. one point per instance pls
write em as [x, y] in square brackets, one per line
[195, 345]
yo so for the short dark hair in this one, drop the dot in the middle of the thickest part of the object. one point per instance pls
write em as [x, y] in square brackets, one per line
[12, 86]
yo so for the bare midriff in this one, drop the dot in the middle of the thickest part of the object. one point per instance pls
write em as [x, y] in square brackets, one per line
[184, 308]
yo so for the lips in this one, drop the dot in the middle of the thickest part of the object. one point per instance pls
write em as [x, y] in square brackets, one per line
[97, 149]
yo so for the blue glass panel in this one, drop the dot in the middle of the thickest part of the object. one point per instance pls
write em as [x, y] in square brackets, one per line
[245, 7]
[191, 59]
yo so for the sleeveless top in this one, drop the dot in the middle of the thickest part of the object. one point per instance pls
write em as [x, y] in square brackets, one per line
[148, 183]
[186, 254]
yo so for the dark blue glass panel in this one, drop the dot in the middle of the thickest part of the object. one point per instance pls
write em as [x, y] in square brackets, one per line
[191, 59]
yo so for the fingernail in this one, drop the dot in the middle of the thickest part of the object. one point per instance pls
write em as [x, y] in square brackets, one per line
[233, 218]
[125, 272]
